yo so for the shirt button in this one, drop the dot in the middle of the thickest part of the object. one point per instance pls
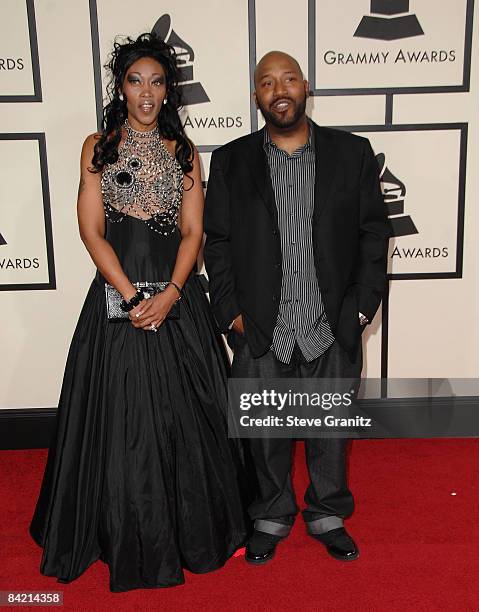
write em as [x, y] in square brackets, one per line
[293, 241]
[277, 265]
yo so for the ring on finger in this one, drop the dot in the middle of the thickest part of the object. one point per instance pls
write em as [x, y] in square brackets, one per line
[153, 327]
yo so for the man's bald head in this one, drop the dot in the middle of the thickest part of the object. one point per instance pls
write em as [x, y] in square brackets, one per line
[280, 90]
[272, 60]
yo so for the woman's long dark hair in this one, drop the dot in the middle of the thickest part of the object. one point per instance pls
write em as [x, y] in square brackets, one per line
[125, 54]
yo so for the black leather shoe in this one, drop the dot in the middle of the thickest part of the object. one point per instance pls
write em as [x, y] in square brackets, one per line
[339, 544]
[261, 547]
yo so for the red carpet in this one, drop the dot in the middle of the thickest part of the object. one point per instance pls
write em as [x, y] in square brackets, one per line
[417, 541]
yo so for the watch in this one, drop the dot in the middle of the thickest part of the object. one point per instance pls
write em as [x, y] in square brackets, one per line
[362, 319]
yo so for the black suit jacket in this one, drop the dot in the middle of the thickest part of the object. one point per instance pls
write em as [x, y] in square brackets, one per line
[350, 236]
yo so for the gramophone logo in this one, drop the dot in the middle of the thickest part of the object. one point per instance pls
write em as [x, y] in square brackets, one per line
[394, 192]
[2, 240]
[389, 20]
[192, 92]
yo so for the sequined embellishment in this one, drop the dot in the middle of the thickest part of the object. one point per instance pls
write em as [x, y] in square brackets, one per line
[145, 182]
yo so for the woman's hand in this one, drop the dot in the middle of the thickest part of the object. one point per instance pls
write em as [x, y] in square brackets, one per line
[152, 311]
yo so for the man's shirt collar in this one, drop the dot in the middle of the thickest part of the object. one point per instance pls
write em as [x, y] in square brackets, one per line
[268, 142]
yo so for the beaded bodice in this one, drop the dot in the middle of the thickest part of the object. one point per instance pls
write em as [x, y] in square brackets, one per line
[145, 182]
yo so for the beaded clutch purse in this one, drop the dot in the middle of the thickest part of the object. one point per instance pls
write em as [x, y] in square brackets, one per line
[114, 298]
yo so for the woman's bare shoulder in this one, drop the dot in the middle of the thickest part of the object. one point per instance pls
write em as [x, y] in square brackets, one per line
[91, 140]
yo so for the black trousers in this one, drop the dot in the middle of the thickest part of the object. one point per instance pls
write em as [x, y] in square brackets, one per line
[328, 498]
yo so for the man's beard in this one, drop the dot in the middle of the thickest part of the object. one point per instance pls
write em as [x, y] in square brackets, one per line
[284, 123]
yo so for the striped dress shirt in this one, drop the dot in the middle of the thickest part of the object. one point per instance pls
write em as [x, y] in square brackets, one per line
[301, 316]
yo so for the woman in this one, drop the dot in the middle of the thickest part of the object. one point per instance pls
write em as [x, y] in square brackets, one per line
[141, 473]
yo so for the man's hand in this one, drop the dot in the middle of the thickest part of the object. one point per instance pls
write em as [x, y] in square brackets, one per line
[238, 326]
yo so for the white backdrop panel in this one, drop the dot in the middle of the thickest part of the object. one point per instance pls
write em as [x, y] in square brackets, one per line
[213, 46]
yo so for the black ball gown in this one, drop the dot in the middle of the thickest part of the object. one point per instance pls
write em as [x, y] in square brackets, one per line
[141, 473]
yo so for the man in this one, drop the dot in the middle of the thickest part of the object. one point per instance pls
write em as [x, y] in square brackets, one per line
[295, 252]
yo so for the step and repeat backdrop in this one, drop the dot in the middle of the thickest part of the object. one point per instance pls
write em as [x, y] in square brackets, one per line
[403, 73]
